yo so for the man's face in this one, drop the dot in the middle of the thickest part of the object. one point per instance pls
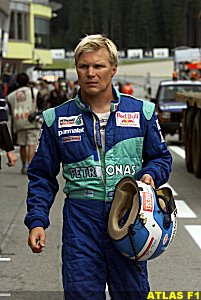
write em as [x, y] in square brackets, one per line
[95, 72]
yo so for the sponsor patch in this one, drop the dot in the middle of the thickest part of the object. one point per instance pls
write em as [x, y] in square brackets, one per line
[99, 171]
[120, 169]
[147, 201]
[165, 239]
[111, 194]
[88, 193]
[73, 138]
[70, 131]
[83, 172]
[70, 121]
[128, 119]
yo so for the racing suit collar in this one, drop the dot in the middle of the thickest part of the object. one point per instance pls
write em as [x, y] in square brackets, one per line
[114, 103]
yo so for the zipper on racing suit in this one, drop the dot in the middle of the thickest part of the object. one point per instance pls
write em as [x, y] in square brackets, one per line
[97, 138]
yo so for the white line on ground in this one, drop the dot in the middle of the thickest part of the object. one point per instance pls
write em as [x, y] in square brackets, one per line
[173, 191]
[5, 259]
[5, 295]
[178, 150]
[195, 232]
[184, 211]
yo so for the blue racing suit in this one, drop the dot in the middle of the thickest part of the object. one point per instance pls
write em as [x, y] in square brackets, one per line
[134, 146]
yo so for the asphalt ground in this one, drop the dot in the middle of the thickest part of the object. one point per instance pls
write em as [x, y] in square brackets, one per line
[20, 269]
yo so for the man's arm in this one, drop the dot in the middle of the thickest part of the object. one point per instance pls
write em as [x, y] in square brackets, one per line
[43, 184]
[157, 160]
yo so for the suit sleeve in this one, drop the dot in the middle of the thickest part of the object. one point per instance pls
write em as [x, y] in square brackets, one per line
[43, 185]
[157, 160]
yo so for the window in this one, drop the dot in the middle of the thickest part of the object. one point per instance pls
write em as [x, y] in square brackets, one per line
[42, 33]
[168, 92]
[19, 26]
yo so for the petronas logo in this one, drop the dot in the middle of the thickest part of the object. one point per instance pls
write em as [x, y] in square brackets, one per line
[79, 120]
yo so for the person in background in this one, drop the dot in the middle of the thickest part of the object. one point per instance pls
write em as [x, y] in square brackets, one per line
[72, 90]
[22, 102]
[11, 85]
[194, 75]
[127, 89]
[43, 94]
[99, 137]
[174, 76]
[119, 86]
[58, 95]
[5, 138]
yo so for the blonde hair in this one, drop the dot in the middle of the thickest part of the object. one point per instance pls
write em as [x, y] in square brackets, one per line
[95, 42]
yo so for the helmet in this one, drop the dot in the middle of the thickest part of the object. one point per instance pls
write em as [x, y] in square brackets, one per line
[142, 221]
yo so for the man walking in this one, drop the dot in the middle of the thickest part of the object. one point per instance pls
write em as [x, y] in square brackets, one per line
[100, 137]
[22, 102]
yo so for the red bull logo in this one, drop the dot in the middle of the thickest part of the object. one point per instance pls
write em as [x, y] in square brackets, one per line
[128, 119]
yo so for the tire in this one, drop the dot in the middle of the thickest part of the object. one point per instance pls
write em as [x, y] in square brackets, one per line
[180, 135]
[196, 144]
[188, 139]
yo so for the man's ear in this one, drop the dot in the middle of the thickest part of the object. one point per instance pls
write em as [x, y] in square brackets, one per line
[114, 70]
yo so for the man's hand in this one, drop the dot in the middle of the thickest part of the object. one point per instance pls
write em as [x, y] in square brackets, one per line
[11, 158]
[146, 178]
[36, 239]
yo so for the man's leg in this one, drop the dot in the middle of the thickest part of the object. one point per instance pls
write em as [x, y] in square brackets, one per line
[84, 268]
[21, 141]
[32, 139]
[125, 280]
[31, 151]
[23, 154]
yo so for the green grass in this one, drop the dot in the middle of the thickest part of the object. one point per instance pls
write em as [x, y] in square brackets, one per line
[61, 64]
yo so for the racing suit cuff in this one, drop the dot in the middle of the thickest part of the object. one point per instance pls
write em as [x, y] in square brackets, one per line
[36, 223]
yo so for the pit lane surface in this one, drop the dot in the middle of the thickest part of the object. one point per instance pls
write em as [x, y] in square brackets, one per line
[178, 269]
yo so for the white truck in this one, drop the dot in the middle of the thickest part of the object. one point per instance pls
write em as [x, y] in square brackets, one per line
[187, 62]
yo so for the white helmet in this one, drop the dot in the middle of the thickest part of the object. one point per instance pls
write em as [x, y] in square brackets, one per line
[142, 221]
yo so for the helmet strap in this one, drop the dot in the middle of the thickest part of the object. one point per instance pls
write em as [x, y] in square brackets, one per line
[131, 233]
